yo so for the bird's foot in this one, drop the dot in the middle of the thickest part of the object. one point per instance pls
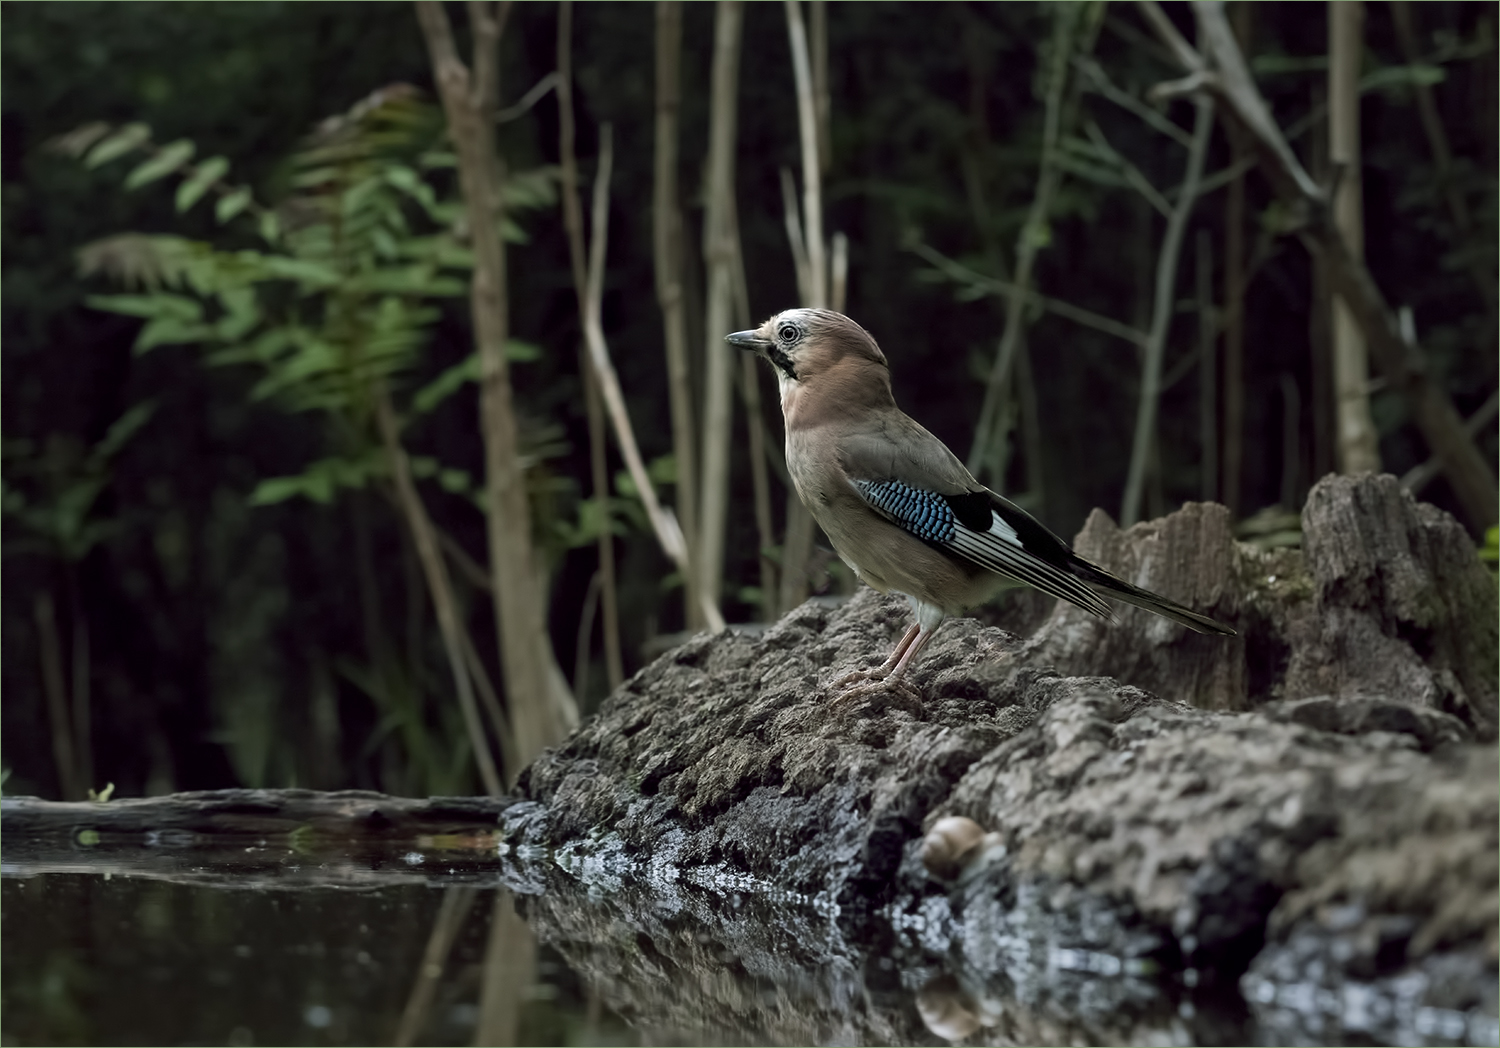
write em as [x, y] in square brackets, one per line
[848, 680]
[877, 694]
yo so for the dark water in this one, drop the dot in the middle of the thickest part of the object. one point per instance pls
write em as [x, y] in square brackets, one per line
[455, 956]
[89, 960]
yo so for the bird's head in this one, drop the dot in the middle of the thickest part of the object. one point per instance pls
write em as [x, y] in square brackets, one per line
[804, 344]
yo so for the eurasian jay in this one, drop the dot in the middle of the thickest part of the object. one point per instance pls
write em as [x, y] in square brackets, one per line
[899, 507]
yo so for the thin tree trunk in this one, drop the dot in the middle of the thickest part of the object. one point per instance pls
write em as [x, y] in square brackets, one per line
[1291, 442]
[538, 716]
[1320, 320]
[1234, 300]
[450, 919]
[755, 420]
[1161, 314]
[808, 252]
[1418, 477]
[718, 255]
[668, 245]
[598, 469]
[1028, 404]
[369, 595]
[1400, 360]
[663, 523]
[439, 589]
[49, 648]
[1208, 378]
[585, 630]
[817, 26]
[609, 582]
[508, 974]
[1442, 155]
[816, 293]
[487, 696]
[1358, 443]
[982, 458]
[83, 718]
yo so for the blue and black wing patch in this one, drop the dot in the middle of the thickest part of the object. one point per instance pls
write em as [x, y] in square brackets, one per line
[926, 514]
[971, 526]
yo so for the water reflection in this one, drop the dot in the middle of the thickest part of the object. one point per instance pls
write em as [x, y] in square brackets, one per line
[96, 960]
[496, 952]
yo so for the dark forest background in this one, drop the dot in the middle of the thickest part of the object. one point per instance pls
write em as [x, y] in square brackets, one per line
[191, 638]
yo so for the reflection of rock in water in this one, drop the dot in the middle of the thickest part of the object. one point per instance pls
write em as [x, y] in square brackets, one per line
[689, 966]
[1131, 845]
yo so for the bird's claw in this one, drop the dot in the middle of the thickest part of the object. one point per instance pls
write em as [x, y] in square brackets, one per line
[879, 673]
[878, 693]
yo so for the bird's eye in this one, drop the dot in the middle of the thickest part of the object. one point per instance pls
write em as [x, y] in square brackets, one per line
[787, 333]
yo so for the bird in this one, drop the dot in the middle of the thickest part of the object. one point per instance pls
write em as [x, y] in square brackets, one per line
[899, 507]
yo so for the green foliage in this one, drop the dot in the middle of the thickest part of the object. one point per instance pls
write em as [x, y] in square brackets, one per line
[1490, 551]
[338, 303]
[53, 492]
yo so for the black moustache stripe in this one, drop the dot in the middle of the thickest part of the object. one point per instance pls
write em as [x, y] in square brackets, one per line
[778, 357]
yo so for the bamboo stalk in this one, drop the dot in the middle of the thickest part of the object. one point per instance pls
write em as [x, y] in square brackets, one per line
[439, 588]
[667, 245]
[718, 256]
[1161, 314]
[573, 222]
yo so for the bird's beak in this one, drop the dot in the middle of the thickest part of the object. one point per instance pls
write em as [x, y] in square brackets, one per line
[748, 340]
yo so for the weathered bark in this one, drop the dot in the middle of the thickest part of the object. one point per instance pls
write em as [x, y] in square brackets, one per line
[1385, 600]
[203, 816]
[1402, 606]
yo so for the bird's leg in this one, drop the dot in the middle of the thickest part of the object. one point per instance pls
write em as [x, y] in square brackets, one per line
[890, 685]
[913, 646]
[886, 668]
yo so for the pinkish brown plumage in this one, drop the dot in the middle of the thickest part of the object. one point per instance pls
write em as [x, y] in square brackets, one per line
[898, 506]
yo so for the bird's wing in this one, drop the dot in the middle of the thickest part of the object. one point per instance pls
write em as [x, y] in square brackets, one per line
[911, 478]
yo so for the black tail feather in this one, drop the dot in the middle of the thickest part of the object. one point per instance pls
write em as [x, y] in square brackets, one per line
[1119, 589]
